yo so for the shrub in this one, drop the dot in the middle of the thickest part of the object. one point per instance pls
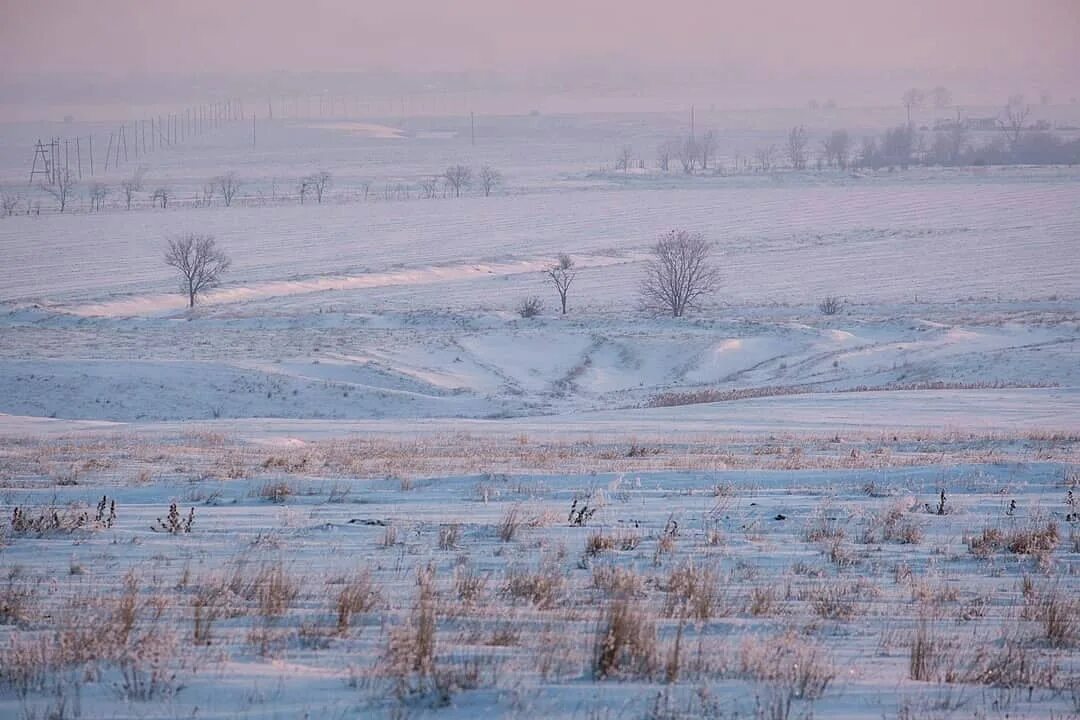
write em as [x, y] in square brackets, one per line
[47, 520]
[173, 523]
[831, 305]
[530, 307]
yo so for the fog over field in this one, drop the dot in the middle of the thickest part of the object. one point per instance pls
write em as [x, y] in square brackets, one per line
[561, 360]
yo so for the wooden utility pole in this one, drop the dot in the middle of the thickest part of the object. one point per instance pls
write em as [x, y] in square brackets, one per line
[78, 156]
[472, 127]
[91, 141]
[108, 152]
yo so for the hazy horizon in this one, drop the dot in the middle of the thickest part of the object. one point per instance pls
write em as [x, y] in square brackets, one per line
[775, 53]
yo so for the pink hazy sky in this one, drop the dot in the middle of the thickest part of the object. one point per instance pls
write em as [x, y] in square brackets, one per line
[1030, 38]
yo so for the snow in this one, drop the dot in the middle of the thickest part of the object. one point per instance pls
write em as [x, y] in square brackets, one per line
[366, 355]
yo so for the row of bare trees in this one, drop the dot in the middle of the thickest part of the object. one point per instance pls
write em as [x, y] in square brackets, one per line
[455, 181]
[679, 273]
[691, 153]
[459, 179]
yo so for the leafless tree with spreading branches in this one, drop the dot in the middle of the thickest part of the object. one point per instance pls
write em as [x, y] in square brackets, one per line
[199, 261]
[688, 154]
[429, 187]
[319, 182]
[97, 192]
[707, 148]
[562, 274]
[228, 185]
[765, 157]
[490, 178]
[679, 273]
[665, 151]
[837, 148]
[912, 98]
[625, 159]
[63, 189]
[162, 195]
[796, 147]
[8, 203]
[1013, 119]
[459, 178]
[130, 186]
[941, 96]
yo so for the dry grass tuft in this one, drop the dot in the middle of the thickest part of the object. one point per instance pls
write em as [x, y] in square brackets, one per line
[691, 592]
[793, 666]
[356, 595]
[449, 536]
[543, 587]
[510, 524]
[625, 642]
[615, 580]
[410, 652]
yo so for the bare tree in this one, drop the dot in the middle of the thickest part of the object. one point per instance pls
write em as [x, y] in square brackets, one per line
[490, 178]
[869, 155]
[688, 154]
[206, 196]
[949, 145]
[303, 188]
[913, 98]
[679, 273]
[8, 203]
[898, 145]
[625, 158]
[162, 195]
[429, 187]
[459, 178]
[765, 157]
[562, 274]
[837, 148]
[665, 151]
[97, 192]
[707, 148]
[63, 189]
[319, 182]
[200, 262]
[132, 185]
[1013, 119]
[228, 185]
[941, 96]
[796, 147]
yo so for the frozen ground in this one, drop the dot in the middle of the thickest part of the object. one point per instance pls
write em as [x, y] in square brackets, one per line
[359, 408]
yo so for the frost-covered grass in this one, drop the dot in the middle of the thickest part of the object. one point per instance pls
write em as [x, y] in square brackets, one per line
[380, 586]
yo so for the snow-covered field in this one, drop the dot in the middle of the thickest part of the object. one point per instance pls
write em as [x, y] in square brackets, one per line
[387, 464]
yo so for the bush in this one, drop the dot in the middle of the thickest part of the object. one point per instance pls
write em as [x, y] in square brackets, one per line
[831, 305]
[530, 307]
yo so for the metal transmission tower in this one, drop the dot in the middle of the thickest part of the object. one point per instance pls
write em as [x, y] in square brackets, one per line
[48, 155]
